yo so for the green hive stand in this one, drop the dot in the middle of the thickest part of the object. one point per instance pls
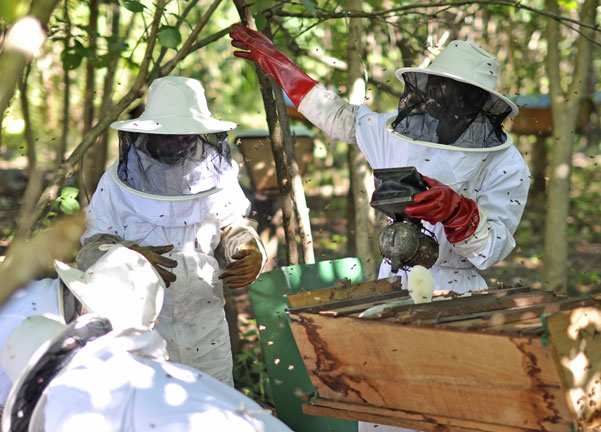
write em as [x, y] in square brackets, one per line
[288, 376]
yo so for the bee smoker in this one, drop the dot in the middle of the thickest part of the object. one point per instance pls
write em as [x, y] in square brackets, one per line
[405, 242]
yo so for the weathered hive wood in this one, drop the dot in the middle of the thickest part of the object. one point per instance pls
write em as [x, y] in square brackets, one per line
[478, 363]
[416, 421]
[473, 376]
[332, 297]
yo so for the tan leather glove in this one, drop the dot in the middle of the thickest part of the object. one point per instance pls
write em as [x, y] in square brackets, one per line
[245, 267]
[154, 255]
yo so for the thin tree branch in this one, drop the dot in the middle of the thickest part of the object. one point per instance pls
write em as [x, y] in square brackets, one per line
[180, 19]
[185, 49]
[334, 63]
[209, 39]
[323, 14]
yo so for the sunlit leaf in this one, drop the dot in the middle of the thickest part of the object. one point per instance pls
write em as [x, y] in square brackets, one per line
[69, 206]
[69, 192]
[68, 200]
[568, 4]
[169, 37]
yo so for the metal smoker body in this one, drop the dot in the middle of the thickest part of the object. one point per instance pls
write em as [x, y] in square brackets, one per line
[405, 242]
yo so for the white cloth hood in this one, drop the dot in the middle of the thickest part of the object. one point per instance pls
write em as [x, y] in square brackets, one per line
[226, 200]
[121, 286]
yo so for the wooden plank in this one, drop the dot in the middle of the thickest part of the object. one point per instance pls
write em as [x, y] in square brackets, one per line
[473, 376]
[357, 307]
[575, 340]
[392, 417]
[532, 326]
[465, 307]
[343, 292]
[345, 307]
[534, 307]
[497, 318]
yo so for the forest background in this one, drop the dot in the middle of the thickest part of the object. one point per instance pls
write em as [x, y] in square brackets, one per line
[69, 68]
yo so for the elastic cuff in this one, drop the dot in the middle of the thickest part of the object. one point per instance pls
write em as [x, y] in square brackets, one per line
[477, 241]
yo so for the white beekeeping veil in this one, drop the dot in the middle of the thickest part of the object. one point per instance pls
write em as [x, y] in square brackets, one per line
[176, 147]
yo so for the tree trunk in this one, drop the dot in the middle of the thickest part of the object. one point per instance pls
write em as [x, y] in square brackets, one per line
[361, 184]
[539, 166]
[90, 171]
[277, 146]
[298, 192]
[565, 107]
[109, 81]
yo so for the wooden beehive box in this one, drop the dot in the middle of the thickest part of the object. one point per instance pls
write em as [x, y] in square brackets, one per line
[503, 360]
[255, 146]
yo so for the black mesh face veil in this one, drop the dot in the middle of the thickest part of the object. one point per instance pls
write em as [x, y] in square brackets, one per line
[173, 165]
[445, 111]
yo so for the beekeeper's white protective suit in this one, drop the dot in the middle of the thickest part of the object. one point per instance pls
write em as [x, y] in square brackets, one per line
[196, 206]
[490, 172]
[448, 126]
[115, 377]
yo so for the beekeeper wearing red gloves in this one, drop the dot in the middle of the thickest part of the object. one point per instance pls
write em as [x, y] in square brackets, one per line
[448, 126]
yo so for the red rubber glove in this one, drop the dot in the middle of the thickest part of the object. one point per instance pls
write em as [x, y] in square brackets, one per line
[259, 49]
[458, 214]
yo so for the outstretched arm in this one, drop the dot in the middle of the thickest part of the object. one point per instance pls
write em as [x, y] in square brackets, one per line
[321, 107]
[259, 49]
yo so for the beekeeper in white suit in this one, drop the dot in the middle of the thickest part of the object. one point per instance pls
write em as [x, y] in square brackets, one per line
[449, 126]
[173, 195]
[106, 370]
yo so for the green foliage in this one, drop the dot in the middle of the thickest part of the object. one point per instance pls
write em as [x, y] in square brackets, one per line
[310, 6]
[133, 6]
[66, 203]
[169, 37]
[568, 4]
[68, 200]
[250, 372]
[74, 55]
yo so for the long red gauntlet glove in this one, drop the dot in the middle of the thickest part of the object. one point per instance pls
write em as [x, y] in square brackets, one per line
[459, 215]
[259, 49]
